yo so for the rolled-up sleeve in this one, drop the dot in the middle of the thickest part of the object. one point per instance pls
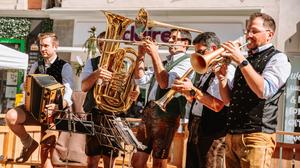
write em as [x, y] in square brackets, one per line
[33, 68]
[275, 74]
[87, 70]
[68, 82]
[179, 70]
[144, 79]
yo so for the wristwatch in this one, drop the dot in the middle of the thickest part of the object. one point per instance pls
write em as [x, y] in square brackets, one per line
[244, 63]
[193, 91]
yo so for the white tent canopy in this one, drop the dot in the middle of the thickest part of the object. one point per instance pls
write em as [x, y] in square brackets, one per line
[12, 59]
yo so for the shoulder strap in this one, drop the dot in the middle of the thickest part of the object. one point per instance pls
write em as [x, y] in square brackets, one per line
[203, 88]
[168, 68]
[41, 66]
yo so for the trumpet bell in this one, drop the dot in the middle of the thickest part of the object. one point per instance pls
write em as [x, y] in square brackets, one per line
[199, 63]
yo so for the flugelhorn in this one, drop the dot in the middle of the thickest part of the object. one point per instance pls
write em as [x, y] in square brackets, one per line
[162, 102]
[202, 63]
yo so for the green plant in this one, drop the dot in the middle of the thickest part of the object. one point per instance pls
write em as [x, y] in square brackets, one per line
[47, 25]
[78, 68]
[91, 43]
[90, 46]
[18, 28]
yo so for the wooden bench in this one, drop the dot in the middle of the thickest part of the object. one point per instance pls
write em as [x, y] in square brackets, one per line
[12, 147]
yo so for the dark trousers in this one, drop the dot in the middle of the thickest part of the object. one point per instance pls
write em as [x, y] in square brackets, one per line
[203, 151]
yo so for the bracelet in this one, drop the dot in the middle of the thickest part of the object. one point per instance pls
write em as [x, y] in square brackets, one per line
[221, 79]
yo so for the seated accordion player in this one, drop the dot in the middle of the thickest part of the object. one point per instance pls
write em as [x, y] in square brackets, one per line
[41, 90]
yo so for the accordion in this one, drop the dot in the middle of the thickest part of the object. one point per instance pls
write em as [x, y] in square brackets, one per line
[42, 89]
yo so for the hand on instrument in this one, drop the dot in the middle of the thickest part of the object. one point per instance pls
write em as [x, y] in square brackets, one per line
[184, 87]
[141, 51]
[150, 47]
[233, 51]
[220, 71]
[50, 109]
[134, 95]
[104, 74]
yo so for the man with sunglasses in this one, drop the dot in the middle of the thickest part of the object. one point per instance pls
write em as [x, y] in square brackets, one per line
[16, 118]
[158, 128]
[207, 126]
[253, 95]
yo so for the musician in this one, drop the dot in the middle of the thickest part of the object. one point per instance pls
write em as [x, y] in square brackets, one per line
[89, 76]
[253, 95]
[207, 126]
[17, 117]
[158, 128]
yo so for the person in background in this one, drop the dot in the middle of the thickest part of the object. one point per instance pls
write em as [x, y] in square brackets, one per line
[158, 128]
[253, 95]
[207, 119]
[17, 117]
[89, 76]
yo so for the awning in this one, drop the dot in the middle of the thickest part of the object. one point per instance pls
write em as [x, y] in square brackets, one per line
[12, 59]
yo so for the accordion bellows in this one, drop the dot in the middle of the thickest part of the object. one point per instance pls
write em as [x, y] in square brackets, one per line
[42, 89]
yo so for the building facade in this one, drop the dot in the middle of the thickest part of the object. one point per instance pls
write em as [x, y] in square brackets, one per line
[72, 20]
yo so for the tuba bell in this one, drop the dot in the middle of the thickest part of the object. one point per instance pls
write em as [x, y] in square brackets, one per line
[113, 96]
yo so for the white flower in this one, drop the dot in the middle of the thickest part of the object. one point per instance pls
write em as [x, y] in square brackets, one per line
[79, 60]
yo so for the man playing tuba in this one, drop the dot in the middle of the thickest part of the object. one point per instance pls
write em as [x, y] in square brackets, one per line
[89, 76]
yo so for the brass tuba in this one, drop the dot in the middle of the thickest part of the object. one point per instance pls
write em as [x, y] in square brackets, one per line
[113, 95]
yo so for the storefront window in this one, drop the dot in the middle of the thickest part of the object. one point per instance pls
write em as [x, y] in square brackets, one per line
[292, 102]
[10, 85]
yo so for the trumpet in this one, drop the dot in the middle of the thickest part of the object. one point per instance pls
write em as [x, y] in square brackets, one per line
[163, 102]
[200, 64]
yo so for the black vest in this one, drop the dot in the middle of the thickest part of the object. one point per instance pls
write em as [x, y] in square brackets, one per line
[89, 102]
[176, 106]
[54, 70]
[248, 113]
[213, 124]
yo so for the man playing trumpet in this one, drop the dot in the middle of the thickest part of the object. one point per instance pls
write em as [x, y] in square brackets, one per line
[207, 125]
[253, 95]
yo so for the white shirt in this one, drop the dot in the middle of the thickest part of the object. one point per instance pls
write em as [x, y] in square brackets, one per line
[87, 70]
[67, 79]
[275, 74]
[176, 72]
[213, 89]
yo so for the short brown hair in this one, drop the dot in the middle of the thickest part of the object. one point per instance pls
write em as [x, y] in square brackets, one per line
[207, 39]
[49, 34]
[268, 20]
[186, 35]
